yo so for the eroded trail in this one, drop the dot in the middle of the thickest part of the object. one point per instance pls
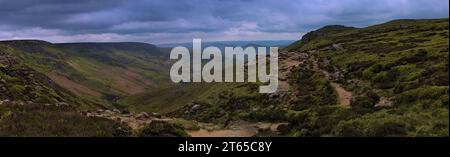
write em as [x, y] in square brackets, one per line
[344, 96]
[240, 129]
[133, 120]
[288, 61]
[139, 120]
[291, 60]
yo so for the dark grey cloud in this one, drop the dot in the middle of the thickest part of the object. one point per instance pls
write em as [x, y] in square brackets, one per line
[159, 21]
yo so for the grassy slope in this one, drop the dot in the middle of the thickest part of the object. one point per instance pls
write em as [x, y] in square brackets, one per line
[32, 105]
[95, 71]
[403, 60]
[37, 120]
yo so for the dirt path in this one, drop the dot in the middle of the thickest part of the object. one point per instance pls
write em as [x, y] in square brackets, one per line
[344, 96]
[241, 129]
[291, 60]
[133, 120]
[236, 129]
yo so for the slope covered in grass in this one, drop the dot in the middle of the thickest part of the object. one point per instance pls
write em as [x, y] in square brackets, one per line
[102, 72]
[397, 72]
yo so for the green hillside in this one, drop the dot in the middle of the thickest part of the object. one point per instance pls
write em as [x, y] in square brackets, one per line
[397, 72]
[102, 72]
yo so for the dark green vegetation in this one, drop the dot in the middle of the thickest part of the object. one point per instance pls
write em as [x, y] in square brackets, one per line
[99, 72]
[221, 103]
[397, 72]
[162, 129]
[19, 82]
[36, 74]
[36, 120]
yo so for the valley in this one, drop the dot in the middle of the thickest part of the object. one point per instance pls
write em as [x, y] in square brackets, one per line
[389, 79]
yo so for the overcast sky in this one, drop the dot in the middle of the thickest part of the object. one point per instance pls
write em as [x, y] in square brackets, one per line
[172, 21]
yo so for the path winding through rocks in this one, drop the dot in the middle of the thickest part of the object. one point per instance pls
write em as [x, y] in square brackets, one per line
[291, 60]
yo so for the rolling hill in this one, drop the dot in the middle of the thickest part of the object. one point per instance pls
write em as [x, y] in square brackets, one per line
[101, 72]
[397, 73]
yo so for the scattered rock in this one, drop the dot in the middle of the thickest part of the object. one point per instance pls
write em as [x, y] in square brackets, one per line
[402, 26]
[61, 104]
[337, 47]
[195, 107]
[384, 102]
[338, 77]
[142, 115]
[109, 112]
[6, 101]
[157, 115]
[116, 111]
[303, 56]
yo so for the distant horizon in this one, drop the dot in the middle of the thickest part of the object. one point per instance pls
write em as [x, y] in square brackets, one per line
[162, 21]
[138, 41]
[211, 41]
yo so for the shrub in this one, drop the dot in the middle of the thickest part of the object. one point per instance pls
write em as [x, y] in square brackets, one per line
[37, 120]
[161, 129]
[367, 100]
[17, 90]
[380, 124]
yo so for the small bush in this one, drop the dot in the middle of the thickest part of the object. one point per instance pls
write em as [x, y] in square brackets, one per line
[161, 129]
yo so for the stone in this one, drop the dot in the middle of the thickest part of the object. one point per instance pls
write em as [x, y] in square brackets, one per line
[336, 47]
[116, 111]
[402, 26]
[303, 56]
[109, 112]
[196, 107]
[384, 102]
[62, 104]
[142, 115]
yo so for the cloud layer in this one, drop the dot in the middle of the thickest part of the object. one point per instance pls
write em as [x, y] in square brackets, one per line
[165, 21]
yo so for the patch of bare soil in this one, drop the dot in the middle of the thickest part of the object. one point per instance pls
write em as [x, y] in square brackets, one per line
[290, 60]
[344, 96]
[128, 81]
[72, 86]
